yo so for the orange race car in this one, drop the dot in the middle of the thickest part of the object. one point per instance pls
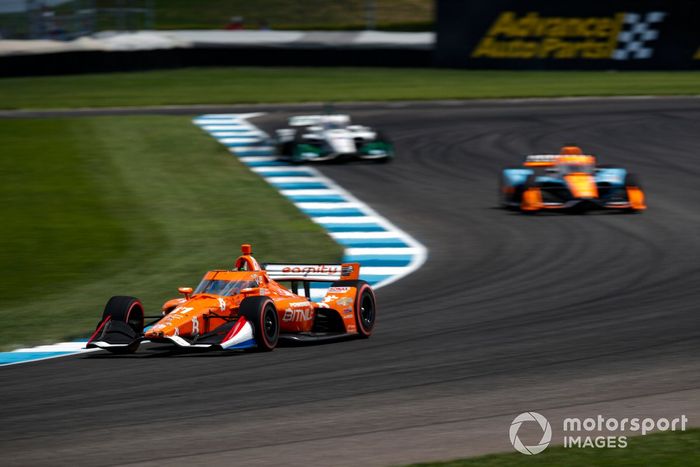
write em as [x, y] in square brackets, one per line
[569, 181]
[246, 307]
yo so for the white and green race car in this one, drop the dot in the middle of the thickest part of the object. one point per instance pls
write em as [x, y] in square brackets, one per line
[316, 138]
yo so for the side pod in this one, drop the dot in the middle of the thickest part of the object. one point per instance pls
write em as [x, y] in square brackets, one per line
[230, 336]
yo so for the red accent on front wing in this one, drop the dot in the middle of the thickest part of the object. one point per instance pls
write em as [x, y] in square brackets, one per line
[236, 328]
[99, 328]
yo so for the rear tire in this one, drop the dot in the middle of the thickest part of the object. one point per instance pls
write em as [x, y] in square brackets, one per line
[262, 315]
[529, 183]
[632, 181]
[390, 153]
[127, 310]
[506, 200]
[365, 306]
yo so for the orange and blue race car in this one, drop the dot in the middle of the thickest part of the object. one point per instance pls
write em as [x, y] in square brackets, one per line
[246, 308]
[569, 181]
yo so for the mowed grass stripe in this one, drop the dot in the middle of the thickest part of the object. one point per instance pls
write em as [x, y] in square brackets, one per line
[275, 84]
[679, 448]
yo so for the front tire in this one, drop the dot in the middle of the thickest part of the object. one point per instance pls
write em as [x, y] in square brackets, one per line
[262, 315]
[127, 310]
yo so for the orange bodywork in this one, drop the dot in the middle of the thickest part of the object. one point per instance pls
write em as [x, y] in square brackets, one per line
[578, 172]
[571, 151]
[532, 200]
[576, 160]
[203, 312]
[582, 185]
[636, 198]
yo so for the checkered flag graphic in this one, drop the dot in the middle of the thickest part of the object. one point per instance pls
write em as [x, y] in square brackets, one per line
[637, 31]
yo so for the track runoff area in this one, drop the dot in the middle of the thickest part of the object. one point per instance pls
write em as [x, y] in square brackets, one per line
[385, 252]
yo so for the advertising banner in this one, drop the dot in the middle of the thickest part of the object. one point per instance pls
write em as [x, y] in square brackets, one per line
[550, 34]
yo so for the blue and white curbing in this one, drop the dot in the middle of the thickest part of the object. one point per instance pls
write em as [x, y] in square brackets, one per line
[43, 352]
[385, 252]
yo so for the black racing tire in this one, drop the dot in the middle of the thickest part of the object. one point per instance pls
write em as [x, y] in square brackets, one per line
[380, 136]
[298, 139]
[286, 149]
[262, 315]
[505, 201]
[529, 183]
[127, 310]
[383, 160]
[365, 306]
[632, 181]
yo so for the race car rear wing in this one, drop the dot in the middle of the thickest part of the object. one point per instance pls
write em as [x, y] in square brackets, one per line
[549, 160]
[313, 272]
[541, 160]
[307, 120]
[308, 273]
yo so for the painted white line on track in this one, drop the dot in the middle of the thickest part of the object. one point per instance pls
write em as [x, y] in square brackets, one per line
[322, 206]
[239, 140]
[274, 179]
[284, 168]
[250, 159]
[309, 192]
[383, 251]
[368, 235]
[346, 220]
[60, 347]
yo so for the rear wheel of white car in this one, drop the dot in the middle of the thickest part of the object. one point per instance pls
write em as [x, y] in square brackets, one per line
[388, 147]
[262, 315]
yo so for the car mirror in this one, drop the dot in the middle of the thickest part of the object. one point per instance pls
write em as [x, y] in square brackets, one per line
[186, 291]
[250, 291]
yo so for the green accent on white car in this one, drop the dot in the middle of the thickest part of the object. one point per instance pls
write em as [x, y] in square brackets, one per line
[377, 148]
[306, 151]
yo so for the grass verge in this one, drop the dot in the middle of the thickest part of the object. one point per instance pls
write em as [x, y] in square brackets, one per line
[660, 450]
[95, 207]
[267, 85]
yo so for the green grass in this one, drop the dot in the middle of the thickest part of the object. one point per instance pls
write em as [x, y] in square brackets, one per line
[260, 85]
[659, 450]
[94, 207]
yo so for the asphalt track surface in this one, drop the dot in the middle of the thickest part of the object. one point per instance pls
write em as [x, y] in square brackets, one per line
[567, 315]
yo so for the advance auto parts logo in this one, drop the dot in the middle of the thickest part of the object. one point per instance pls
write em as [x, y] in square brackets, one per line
[546, 433]
[623, 36]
